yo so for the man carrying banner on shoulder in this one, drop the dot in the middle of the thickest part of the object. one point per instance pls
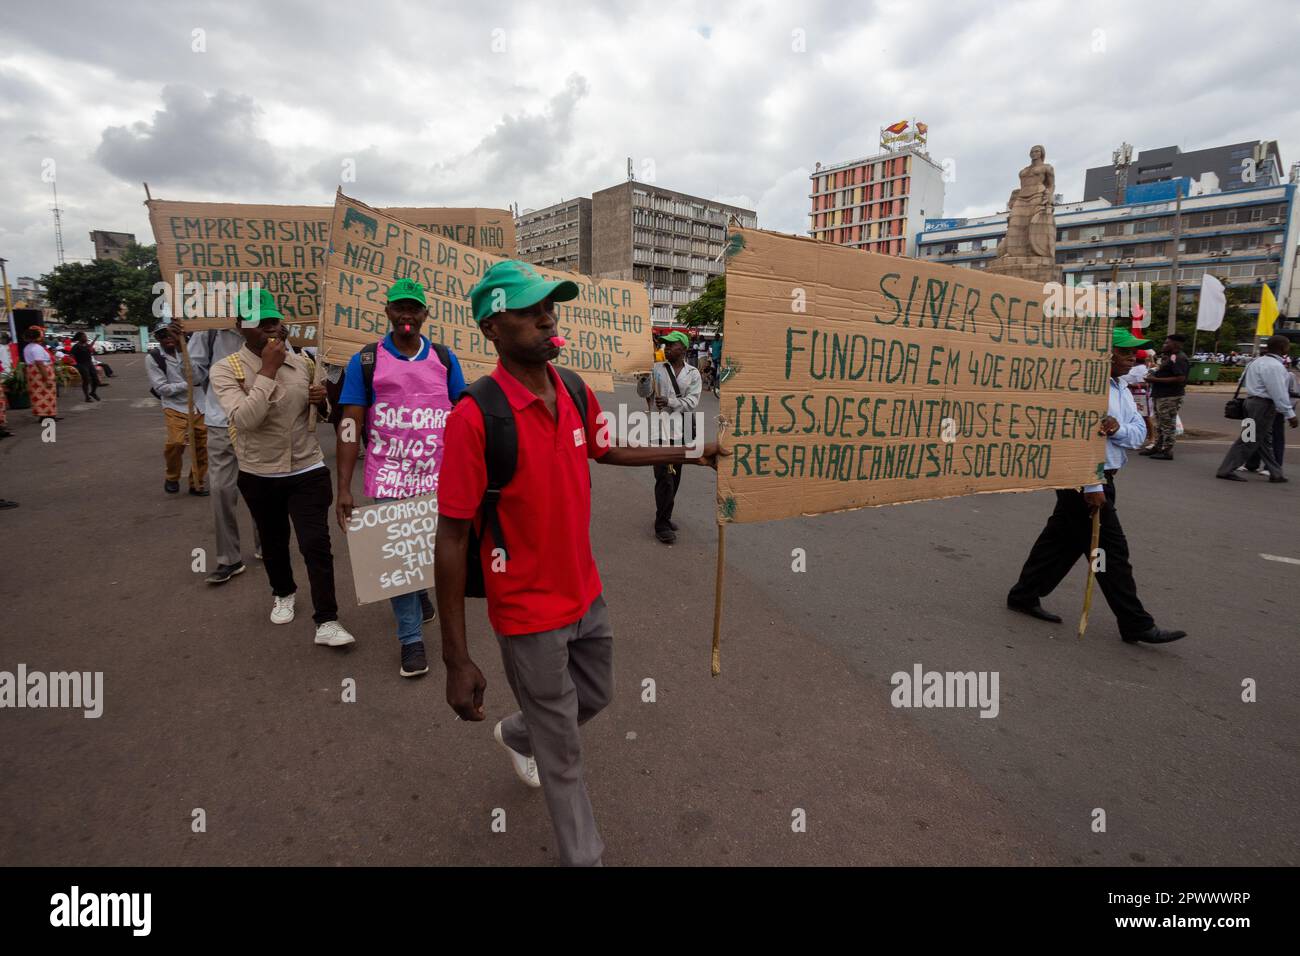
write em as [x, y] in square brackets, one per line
[398, 395]
[677, 395]
[1068, 534]
[517, 451]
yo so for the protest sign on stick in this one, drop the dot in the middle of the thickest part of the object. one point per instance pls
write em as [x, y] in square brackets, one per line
[607, 326]
[203, 246]
[390, 545]
[855, 380]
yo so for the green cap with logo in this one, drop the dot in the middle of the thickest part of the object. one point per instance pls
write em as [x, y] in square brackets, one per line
[257, 305]
[678, 337]
[1122, 338]
[516, 285]
[406, 289]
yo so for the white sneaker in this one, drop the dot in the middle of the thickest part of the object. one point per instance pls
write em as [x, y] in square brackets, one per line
[525, 767]
[282, 613]
[333, 634]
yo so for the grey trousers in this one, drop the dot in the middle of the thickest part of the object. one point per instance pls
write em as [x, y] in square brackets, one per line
[223, 472]
[561, 679]
[1262, 410]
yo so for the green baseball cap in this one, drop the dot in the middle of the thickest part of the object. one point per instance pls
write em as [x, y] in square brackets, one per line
[406, 289]
[520, 286]
[678, 337]
[1122, 338]
[255, 308]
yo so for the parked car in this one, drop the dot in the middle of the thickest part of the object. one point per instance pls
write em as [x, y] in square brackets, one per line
[101, 346]
[123, 345]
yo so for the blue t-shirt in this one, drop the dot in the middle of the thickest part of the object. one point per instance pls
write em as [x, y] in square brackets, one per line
[354, 383]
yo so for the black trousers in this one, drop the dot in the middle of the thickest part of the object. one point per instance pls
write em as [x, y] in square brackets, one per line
[305, 500]
[1066, 538]
[89, 380]
[665, 494]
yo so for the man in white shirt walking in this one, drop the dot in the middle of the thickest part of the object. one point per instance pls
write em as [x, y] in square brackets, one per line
[167, 382]
[1268, 395]
[679, 387]
[1068, 534]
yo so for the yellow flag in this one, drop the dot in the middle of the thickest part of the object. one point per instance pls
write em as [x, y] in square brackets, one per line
[1267, 312]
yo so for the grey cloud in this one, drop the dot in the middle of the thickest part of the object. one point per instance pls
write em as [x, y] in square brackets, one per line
[197, 140]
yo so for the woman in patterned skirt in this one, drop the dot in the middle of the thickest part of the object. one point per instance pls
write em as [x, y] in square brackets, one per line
[41, 385]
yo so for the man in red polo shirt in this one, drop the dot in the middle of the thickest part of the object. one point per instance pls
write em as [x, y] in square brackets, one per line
[544, 593]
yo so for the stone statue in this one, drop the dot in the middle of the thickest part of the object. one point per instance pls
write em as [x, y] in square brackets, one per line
[1029, 248]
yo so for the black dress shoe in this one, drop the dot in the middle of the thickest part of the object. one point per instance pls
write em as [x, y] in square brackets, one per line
[1149, 451]
[1230, 477]
[1035, 610]
[171, 487]
[1157, 635]
[1277, 481]
[6, 504]
[200, 492]
[666, 535]
[1162, 456]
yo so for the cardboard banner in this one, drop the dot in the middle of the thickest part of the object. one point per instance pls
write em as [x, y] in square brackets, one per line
[283, 248]
[860, 379]
[607, 326]
[391, 547]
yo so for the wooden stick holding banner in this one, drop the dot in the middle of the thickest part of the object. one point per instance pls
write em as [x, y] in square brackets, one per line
[1092, 574]
[716, 666]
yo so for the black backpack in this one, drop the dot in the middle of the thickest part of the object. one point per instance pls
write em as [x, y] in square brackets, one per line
[500, 455]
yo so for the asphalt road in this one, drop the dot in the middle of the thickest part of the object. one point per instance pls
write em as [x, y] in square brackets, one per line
[209, 706]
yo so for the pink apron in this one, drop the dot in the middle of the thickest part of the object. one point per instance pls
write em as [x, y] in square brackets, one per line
[406, 423]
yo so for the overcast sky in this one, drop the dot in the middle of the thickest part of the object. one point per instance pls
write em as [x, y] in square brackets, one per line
[486, 103]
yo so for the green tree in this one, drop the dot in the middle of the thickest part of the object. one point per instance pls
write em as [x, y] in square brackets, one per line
[1238, 324]
[92, 292]
[707, 311]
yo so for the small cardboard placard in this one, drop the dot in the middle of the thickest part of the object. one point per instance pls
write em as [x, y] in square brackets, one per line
[391, 547]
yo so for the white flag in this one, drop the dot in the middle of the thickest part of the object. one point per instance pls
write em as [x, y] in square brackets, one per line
[1209, 316]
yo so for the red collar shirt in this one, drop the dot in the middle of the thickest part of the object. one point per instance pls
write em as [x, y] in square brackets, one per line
[550, 578]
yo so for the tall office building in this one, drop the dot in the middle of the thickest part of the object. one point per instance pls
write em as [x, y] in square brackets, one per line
[878, 203]
[1238, 166]
[638, 232]
[557, 237]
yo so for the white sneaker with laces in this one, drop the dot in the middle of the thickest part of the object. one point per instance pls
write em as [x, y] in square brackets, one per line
[333, 634]
[282, 613]
[525, 767]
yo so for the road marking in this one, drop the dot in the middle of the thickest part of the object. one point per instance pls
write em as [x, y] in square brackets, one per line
[145, 403]
[1275, 557]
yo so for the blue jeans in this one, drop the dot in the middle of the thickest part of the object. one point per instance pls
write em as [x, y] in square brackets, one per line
[407, 610]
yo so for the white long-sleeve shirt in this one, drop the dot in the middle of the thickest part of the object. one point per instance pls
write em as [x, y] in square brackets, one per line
[224, 342]
[171, 386]
[1132, 428]
[1266, 377]
[679, 408]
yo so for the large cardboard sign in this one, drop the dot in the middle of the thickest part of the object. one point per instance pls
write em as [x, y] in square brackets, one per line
[607, 326]
[283, 248]
[391, 547]
[860, 379]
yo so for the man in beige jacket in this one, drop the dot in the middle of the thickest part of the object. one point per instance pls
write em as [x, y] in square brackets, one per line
[273, 405]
